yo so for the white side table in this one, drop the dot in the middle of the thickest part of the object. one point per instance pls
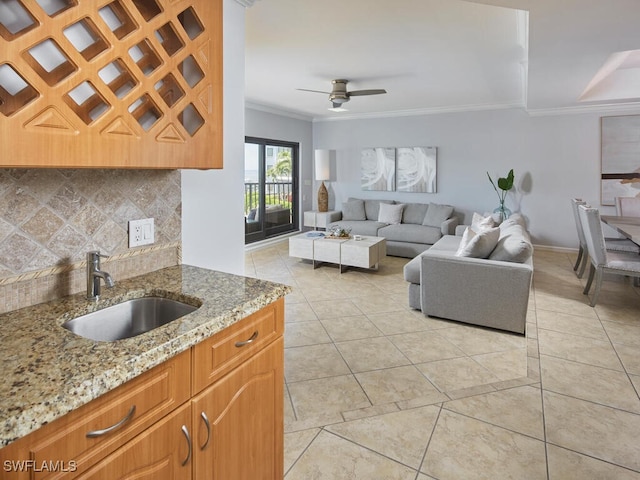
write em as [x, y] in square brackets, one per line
[318, 220]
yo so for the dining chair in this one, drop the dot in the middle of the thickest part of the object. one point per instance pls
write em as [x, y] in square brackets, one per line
[612, 244]
[628, 206]
[603, 261]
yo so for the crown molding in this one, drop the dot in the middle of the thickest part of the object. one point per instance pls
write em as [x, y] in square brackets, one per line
[583, 109]
[536, 112]
[419, 111]
[246, 3]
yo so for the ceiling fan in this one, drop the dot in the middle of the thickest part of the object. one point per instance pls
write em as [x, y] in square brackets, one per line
[339, 94]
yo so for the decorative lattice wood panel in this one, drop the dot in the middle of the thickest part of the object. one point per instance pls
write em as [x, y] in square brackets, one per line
[111, 83]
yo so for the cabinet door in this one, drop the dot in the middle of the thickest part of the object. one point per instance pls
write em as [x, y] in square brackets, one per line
[162, 451]
[244, 412]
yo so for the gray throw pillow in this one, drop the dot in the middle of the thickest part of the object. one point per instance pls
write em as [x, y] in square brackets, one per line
[353, 210]
[414, 213]
[436, 214]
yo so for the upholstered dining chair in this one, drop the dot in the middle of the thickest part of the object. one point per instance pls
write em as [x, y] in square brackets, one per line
[603, 261]
[612, 244]
[628, 206]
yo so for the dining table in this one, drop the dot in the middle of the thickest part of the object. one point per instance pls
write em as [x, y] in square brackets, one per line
[627, 226]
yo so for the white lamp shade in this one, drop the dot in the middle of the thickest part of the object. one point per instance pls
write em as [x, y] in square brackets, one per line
[323, 165]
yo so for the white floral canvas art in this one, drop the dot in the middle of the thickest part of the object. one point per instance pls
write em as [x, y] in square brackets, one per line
[416, 169]
[378, 167]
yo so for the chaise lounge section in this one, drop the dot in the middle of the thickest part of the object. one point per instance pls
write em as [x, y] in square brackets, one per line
[491, 292]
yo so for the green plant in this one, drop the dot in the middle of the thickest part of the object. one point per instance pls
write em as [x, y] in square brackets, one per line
[282, 168]
[504, 184]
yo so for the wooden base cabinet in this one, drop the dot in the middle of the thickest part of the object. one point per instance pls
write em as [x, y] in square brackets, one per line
[162, 451]
[227, 427]
[240, 421]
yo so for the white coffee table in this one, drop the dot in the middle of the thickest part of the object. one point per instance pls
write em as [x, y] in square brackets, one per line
[364, 253]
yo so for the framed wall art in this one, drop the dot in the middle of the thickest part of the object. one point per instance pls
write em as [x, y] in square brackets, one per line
[620, 157]
[402, 169]
[416, 169]
[378, 169]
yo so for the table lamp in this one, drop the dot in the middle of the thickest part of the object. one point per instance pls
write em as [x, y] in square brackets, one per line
[323, 172]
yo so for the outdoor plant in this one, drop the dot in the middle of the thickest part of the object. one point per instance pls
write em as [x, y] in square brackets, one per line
[504, 184]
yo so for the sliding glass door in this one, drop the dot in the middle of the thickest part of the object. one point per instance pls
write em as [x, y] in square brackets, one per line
[270, 188]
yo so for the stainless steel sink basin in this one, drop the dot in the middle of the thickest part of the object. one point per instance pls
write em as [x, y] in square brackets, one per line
[128, 319]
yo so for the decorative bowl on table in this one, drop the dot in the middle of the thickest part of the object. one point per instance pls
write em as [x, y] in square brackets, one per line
[339, 232]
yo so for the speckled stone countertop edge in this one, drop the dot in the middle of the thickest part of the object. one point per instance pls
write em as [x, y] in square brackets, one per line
[59, 371]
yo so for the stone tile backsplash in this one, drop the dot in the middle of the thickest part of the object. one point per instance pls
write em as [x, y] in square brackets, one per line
[50, 218]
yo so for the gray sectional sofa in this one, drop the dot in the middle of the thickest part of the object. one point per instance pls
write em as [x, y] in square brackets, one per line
[491, 291]
[414, 229]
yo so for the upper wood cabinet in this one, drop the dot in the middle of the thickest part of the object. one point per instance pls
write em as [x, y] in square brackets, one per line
[111, 84]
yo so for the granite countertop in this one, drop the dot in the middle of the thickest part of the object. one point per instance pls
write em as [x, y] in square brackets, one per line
[48, 371]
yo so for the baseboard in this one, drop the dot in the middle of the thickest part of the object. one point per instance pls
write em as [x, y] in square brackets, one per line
[550, 248]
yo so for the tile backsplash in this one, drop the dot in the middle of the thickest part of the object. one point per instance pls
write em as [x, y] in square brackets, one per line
[50, 218]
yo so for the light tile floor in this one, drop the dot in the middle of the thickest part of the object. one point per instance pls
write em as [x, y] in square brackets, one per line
[375, 390]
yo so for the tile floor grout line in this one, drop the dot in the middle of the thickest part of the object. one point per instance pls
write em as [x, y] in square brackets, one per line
[371, 450]
[320, 429]
[542, 297]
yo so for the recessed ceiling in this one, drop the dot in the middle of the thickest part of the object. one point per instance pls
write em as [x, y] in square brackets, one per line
[433, 55]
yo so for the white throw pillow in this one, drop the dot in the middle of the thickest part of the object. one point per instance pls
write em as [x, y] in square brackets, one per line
[481, 222]
[390, 214]
[478, 244]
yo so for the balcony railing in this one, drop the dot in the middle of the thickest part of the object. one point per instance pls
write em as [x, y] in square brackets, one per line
[276, 193]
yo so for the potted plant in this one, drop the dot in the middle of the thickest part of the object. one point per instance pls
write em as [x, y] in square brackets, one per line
[504, 184]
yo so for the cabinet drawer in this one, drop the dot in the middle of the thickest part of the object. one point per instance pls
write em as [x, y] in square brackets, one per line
[217, 355]
[161, 452]
[86, 435]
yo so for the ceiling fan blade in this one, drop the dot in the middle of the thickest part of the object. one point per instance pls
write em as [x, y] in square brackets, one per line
[357, 93]
[313, 91]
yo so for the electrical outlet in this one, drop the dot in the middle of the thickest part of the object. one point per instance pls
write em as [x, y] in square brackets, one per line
[141, 232]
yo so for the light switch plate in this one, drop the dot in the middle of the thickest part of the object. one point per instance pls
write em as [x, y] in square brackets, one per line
[141, 232]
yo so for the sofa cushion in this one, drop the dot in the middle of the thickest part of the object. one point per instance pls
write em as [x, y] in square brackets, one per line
[414, 213]
[353, 210]
[360, 227]
[390, 214]
[408, 232]
[478, 244]
[514, 219]
[514, 245]
[436, 214]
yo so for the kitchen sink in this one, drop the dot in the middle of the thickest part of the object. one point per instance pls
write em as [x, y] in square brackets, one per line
[128, 319]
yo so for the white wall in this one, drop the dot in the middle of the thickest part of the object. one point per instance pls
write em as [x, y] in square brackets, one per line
[267, 125]
[212, 200]
[554, 158]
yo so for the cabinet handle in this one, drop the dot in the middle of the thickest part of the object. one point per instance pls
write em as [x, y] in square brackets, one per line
[208, 425]
[247, 342]
[185, 430]
[104, 431]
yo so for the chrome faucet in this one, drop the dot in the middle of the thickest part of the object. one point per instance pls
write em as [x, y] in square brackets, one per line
[94, 274]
